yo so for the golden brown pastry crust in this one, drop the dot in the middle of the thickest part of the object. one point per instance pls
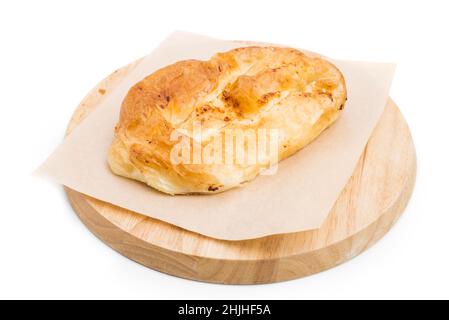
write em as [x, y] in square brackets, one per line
[245, 88]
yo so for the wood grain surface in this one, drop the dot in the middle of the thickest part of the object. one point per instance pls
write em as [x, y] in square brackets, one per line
[367, 208]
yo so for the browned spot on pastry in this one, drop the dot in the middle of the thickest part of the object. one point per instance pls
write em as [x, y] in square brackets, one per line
[225, 95]
[213, 188]
[101, 91]
[227, 119]
[235, 103]
[266, 97]
[329, 95]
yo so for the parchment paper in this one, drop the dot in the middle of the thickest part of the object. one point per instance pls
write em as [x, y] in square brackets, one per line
[297, 198]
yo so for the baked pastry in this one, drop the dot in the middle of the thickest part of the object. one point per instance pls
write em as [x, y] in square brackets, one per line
[281, 90]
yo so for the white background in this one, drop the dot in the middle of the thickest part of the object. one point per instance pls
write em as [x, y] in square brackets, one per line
[53, 52]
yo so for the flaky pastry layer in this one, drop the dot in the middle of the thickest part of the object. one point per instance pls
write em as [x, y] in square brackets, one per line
[246, 89]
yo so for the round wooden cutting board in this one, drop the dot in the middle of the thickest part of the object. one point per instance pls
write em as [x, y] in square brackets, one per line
[367, 208]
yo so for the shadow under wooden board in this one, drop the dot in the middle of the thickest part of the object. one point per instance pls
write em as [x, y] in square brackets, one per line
[366, 209]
